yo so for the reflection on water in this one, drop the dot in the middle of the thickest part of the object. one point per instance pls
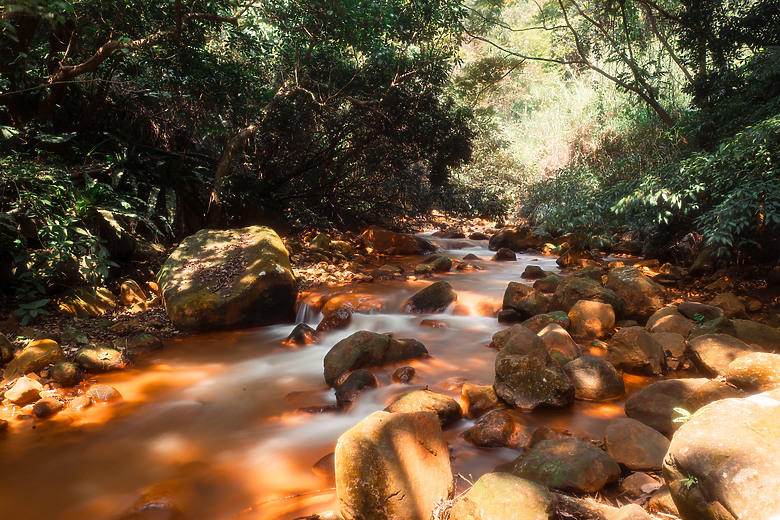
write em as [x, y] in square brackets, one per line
[211, 420]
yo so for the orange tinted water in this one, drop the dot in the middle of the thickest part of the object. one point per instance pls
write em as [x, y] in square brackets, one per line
[210, 422]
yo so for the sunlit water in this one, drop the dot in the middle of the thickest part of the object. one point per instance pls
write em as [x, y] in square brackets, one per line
[211, 420]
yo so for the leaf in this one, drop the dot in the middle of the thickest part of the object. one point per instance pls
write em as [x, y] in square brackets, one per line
[56, 139]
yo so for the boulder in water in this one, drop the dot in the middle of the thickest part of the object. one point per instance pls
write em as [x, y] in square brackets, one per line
[35, 356]
[594, 379]
[712, 353]
[497, 428]
[434, 298]
[635, 445]
[501, 496]
[446, 408]
[640, 296]
[591, 319]
[516, 238]
[573, 289]
[223, 279]
[655, 404]
[634, 350]
[758, 371]
[391, 243]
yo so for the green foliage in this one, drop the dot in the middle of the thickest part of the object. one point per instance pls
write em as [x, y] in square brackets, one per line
[683, 415]
[30, 310]
[689, 481]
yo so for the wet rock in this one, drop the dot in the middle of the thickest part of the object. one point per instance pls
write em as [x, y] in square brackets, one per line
[403, 375]
[753, 333]
[755, 372]
[548, 284]
[709, 392]
[638, 484]
[225, 279]
[495, 429]
[446, 408]
[81, 402]
[594, 379]
[669, 319]
[434, 298]
[723, 463]
[130, 292]
[573, 289]
[103, 393]
[139, 345]
[516, 238]
[35, 356]
[591, 319]
[46, 408]
[325, 468]
[517, 335]
[96, 358]
[527, 377]
[509, 316]
[526, 306]
[711, 354]
[544, 433]
[368, 349]
[591, 272]
[731, 305]
[477, 235]
[501, 496]
[470, 257]
[168, 500]
[450, 232]
[24, 391]
[700, 312]
[388, 242]
[349, 390]
[559, 344]
[575, 257]
[467, 267]
[87, 301]
[533, 272]
[640, 296]
[393, 466]
[629, 512]
[4, 428]
[504, 255]
[301, 335]
[654, 404]
[6, 349]
[567, 464]
[673, 344]
[716, 326]
[321, 241]
[540, 321]
[338, 318]
[514, 294]
[479, 399]
[634, 350]
[434, 264]
[635, 445]
[65, 373]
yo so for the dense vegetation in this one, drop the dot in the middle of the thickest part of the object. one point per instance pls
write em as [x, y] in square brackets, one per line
[160, 118]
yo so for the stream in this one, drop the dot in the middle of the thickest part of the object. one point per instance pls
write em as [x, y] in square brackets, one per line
[211, 419]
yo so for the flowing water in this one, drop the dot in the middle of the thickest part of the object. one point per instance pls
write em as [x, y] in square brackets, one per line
[211, 420]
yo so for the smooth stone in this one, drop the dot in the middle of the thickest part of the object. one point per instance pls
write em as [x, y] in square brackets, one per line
[103, 393]
[497, 428]
[432, 299]
[654, 404]
[591, 319]
[24, 391]
[635, 445]
[759, 371]
[479, 399]
[46, 408]
[594, 379]
[634, 350]
[446, 408]
[700, 311]
[65, 373]
[711, 354]
[559, 344]
[731, 305]
[34, 357]
[501, 496]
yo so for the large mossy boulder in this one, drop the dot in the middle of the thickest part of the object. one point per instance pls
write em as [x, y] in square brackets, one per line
[392, 243]
[722, 464]
[368, 349]
[527, 377]
[575, 288]
[567, 464]
[501, 496]
[516, 238]
[393, 466]
[641, 297]
[226, 279]
[434, 298]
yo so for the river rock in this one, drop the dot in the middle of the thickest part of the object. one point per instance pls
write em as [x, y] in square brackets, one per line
[635, 445]
[516, 334]
[654, 404]
[716, 326]
[434, 298]
[709, 392]
[348, 391]
[575, 257]
[722, 464]
[711, 354]
[35, 356]
[391, 243]
[527, 306]
[48, 407]
[516, 238]
[592, 272]
[591, 319]
[501, 496]
[731, 305]
[559, 344]
[639, 483]
[86, 301]
[223, 279]
[393, 466]
[758, 371]
[573, 289]
[103, 393]
[548, 284]
[25, 390]
[672, 343]
[753, 333]
[640, 296]
[527, 377]
[6, 349]
[669, 319]
[94, 358]
[139, 345]
[65, 373]
[504, 255]
[368, 349]
[497, 428]
[533, 272]
[433, 264]
[403, 375]
[337, 318]
[634, 350]
[478, 399]
[540, 321]
[514, 294]
[130, 292]
[594, 379]
[567, 464]
[446, 408]
[661, 501]
[700, 311]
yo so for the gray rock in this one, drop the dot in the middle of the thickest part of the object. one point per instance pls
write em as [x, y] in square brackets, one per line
[654, 404]
[634, 350]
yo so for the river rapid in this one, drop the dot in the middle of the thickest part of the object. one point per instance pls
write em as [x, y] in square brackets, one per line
[210, 422]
